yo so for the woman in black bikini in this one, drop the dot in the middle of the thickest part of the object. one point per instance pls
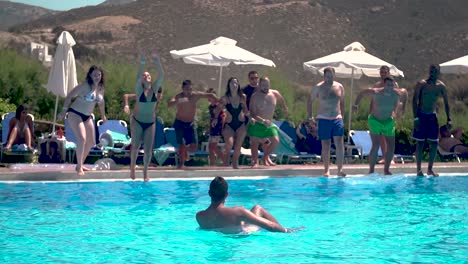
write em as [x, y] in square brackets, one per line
[235, 130]
[142, 121]
[86, 95]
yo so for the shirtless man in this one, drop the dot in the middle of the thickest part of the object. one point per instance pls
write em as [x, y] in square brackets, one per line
[330, 112]
[426, 126]
[384, 73]
[234, 219]
[261, 128]
[184, 125]
[381, 123]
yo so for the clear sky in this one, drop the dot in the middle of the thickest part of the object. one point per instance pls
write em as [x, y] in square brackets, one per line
[59, 4]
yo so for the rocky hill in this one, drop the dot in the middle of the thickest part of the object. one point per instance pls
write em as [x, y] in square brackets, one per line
[408, 33]
[15, 13]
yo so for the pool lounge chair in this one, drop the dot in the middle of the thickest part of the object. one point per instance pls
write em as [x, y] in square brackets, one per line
[363, 143]
[443, 155]
[117, 139]
[17, 153]
[286, 150]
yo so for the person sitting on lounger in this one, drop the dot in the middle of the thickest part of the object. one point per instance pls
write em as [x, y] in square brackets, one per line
[21, 129]
[234, 219]
[307, 138]
[452, 144]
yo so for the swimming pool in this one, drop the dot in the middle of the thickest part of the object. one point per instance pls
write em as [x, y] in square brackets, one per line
[368, 219]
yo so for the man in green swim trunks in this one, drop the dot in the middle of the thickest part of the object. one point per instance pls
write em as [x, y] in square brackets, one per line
[261, 129]
[381, 119]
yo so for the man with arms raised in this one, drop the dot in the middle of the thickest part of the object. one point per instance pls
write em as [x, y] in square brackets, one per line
[184, 124]
[385, 101]
[331, 96]
[234, 219]
[261, 128]
[426, 126]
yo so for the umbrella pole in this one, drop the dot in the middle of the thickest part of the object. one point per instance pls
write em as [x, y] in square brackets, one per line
[55, 115]
[220, 79]
[350, 104]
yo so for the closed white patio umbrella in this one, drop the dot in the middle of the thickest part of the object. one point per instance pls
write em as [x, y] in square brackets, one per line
[220, 52]
[62, 75]
[456, 66]
[352, 62]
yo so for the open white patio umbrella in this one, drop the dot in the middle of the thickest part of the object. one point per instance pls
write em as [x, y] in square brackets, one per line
[352, 62]
[220, 52]
[62, 75]
[456, 66]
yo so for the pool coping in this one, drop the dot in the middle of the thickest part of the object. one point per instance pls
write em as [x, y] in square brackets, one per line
[316, 170]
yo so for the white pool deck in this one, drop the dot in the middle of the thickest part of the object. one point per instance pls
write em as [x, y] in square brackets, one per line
[66, 172]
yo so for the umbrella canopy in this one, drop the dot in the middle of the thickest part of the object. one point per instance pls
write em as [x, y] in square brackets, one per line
[220, 52]
[62, 75]
[456, 66]
[352, 62]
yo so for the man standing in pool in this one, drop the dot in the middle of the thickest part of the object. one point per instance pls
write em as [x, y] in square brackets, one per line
[381, 119]
[426, 126]
[331, 97]
[184, 124]
[234, 219]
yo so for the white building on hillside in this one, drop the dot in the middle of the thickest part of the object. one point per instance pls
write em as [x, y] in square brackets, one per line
[40, 51]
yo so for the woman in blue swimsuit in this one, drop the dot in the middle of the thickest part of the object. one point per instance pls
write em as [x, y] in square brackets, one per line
[85, 97]
[142, 120]
[235, 130]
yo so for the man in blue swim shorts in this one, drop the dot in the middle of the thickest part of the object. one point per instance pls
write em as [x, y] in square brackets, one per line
[184, 124]
[385, 101]
[330, 95]
[426, 126]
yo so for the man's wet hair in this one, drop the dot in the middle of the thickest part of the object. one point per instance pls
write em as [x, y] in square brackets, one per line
[186, 82]
[329, 69]
[218, 189]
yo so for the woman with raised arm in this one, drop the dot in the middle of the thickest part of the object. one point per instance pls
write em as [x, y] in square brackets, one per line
[85, 97]
[143, 118]
[234, 131]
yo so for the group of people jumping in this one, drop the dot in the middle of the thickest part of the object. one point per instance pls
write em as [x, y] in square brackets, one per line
[249, 111]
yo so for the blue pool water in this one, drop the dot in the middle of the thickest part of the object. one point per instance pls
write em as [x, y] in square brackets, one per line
[369, 219]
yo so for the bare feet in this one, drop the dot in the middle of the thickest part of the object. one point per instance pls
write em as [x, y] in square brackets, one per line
[341, 174]
[269, 162]
[371, 171]
[254, 165]
[7, 148]
[431, 172]
[420, 173]
[235, 165]
[326, 173]
[85, 168]
[180, 167]
[387, 173]
[132, 175]
[79, 170]
[146, 178]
